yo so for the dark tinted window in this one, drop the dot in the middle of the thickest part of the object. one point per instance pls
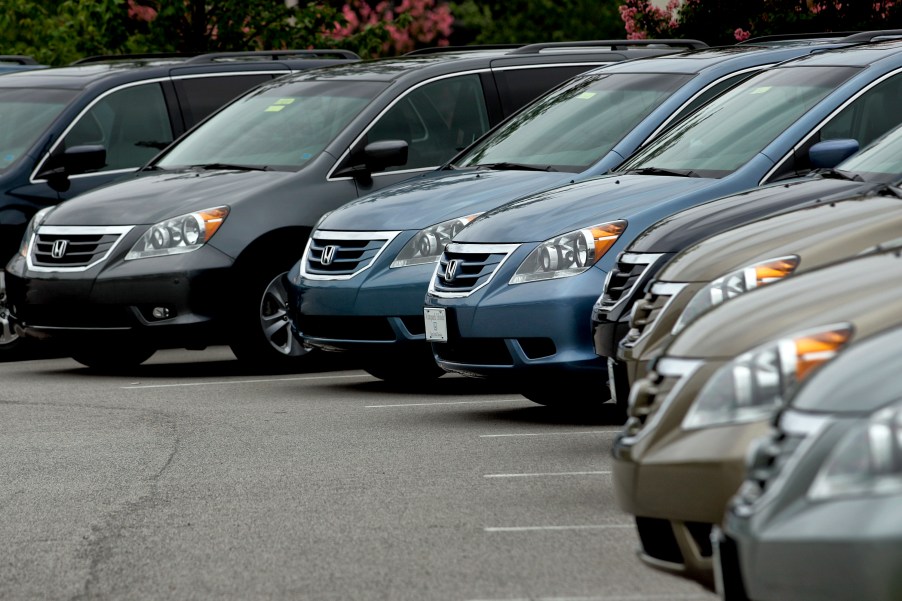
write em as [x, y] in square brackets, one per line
[517, 87]
[436, 120]
[131, 123]
[200, 96]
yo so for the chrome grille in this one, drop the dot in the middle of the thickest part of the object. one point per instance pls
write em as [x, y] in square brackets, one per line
[73, 248]
[624, 278]
[647, 309]
[342, 255]
[464, 268]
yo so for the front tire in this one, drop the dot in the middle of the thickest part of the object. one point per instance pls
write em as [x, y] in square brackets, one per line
[263, 335]
[10, 341]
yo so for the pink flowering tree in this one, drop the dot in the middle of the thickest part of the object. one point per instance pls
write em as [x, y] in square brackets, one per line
[410, 23]
[729, 21]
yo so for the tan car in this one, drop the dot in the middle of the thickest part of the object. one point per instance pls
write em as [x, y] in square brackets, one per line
[680, 456]
[736, 261]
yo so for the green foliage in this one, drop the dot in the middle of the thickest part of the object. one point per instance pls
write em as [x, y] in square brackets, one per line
[523, 21]
[57, 32]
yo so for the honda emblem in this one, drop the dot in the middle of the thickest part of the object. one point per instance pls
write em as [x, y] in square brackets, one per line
[328, 255]
[59, 249]
[451, 269]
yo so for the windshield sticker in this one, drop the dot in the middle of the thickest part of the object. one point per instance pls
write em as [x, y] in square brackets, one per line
[284, 101]
[586, 95]
[274, 108]
[761, 90]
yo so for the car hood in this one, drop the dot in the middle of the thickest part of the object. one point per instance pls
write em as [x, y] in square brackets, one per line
[863, 291]
[678, 231]
[438, 196]
[547, 214]
[818, 234]
[147, 199]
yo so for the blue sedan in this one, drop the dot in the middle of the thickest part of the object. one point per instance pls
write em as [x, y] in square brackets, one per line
[512, 295]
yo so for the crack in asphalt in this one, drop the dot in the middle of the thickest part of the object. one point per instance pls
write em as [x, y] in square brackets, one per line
[63, 405]
[100, 544]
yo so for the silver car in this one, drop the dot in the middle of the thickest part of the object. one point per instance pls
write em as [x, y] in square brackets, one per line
[820, 513]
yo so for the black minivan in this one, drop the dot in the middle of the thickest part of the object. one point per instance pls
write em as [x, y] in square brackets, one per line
[70, 129]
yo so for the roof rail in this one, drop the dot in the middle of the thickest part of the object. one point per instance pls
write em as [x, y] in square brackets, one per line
[211, 57]
[612, 44]
[19, 59]
[274, 54]
[872, 36]
[474, 47]
[101, 58]
[784, 37]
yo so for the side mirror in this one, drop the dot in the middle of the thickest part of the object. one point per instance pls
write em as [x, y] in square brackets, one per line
[75, 160]
[81, 159]
[830, 153]
[385, 153]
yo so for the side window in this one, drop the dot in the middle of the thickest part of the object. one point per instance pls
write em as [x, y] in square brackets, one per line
[436, 120]
[867, 118]
[519, 87]
[716, 90]
[132, 124]
[200, 96]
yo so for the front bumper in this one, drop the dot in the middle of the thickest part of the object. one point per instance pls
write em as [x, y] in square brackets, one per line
[117, 299]
[379, 310]
[679, 492]
[847, 549]
[523, 331]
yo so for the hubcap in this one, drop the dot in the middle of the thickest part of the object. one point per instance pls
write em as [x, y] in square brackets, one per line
[7, 331]
[274, 319]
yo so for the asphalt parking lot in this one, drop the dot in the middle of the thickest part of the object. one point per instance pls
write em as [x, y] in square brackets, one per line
[188, 479]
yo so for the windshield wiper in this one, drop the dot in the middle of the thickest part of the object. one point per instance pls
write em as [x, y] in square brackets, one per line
[891, 190]
[517, 167]
[230, 166]
[837, 174]
[660, 171]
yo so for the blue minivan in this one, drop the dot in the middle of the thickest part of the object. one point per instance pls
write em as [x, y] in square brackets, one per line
[361, 282]
[512, 295]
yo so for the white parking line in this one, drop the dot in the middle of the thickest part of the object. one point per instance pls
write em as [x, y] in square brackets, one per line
[547, 474]
[539, 528]
[512, 435]
[224, 382]
[609, 598]
[449, 403]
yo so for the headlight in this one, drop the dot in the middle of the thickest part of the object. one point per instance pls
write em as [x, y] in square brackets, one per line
[429, 244]
[33, 225]
[756, 383]
[569, 254]
[181, 234]
[867, 460]
[733, 284]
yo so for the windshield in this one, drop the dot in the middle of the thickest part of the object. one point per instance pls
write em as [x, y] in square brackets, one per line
[279, 126]
[25, 113]
[725, 134]
[572, 128]
[881, 161]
